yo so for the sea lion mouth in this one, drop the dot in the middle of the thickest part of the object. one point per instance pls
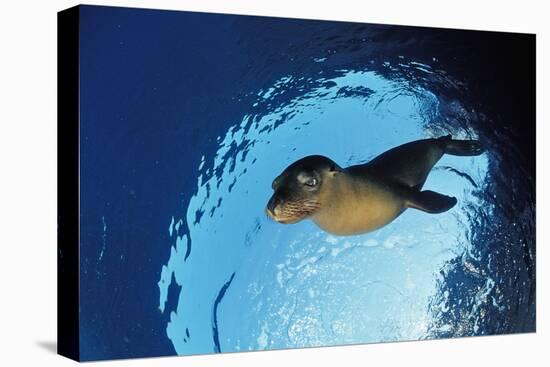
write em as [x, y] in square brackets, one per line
[282, 220]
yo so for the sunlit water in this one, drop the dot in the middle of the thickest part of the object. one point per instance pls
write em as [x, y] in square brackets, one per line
[249, 283]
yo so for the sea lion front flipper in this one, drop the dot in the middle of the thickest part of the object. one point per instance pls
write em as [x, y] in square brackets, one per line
[430, 201]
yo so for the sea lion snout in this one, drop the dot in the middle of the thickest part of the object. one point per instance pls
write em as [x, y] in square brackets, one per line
[287, 207]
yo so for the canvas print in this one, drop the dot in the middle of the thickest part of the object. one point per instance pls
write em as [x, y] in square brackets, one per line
[236, 183]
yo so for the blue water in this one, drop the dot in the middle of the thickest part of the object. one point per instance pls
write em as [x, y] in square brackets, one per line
[184, 129]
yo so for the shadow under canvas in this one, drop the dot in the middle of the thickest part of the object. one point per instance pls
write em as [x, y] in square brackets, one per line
[48, 345]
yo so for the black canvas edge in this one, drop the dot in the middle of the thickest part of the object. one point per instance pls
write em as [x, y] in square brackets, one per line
[68, 206]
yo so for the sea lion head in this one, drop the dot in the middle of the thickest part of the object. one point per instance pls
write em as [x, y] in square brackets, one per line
[297, 189]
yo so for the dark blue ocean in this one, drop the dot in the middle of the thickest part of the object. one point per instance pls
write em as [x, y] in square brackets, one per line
[186, 118]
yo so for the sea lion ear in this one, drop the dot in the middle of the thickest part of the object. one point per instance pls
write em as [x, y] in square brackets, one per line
[334, 169]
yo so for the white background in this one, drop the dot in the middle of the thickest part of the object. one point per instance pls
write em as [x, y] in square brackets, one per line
[28, 181]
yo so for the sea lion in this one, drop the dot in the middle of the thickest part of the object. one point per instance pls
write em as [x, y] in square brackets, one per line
[363, 198]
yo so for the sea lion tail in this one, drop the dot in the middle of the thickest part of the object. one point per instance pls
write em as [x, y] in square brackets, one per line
[461, 147]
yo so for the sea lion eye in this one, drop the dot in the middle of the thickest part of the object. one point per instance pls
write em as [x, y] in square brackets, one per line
[312, 182]
[309, 180]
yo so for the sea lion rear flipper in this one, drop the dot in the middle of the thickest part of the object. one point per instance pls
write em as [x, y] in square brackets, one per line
[461, 147]
[430, 201]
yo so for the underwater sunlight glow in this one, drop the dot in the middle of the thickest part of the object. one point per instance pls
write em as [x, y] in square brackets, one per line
[280, 286]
